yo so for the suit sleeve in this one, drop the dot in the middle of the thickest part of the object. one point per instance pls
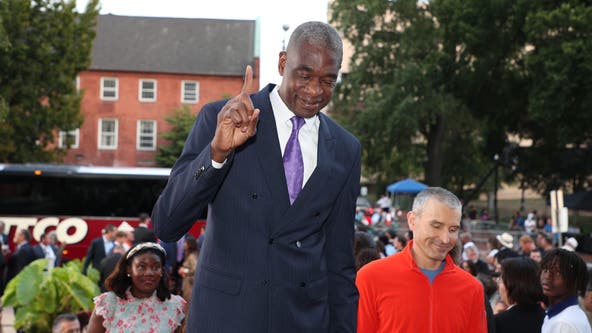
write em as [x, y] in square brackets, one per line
[193, 181]
[89, 257]
[343, 294]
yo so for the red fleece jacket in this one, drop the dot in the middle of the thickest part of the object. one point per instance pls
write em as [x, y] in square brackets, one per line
[395, 296]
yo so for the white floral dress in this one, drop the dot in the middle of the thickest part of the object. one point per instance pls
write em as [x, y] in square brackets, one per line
[139, 314]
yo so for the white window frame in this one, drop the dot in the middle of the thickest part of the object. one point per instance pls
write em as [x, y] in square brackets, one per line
[109, 89]
[141, 90]
[62, 139]
[115, 134]
[183, 100]
[139, 134]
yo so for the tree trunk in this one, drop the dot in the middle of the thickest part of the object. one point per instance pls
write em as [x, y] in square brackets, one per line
[433, 168]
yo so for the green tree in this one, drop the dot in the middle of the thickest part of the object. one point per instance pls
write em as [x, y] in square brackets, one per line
[44, 44]
[399, 95]
[181, 122]
[559, 69]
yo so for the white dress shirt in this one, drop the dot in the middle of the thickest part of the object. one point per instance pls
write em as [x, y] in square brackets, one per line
[308, 136]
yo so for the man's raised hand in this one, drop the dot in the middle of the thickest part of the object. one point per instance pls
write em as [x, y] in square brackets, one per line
[237, 121]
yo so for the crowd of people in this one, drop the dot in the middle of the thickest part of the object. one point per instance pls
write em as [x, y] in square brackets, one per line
[531, 285]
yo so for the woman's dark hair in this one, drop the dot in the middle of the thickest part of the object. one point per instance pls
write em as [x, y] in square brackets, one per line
[363, 240]
[119, 282]
[365, 256]
[191, 244]
[472, 267]
[401, 239]
[520, 276]
[571, 267]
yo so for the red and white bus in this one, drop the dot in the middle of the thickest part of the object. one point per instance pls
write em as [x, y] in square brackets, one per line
[76, 201]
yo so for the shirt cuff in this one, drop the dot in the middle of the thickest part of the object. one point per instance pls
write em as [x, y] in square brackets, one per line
[218, 165]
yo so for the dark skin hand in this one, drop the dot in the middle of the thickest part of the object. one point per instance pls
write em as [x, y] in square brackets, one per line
[237, 122]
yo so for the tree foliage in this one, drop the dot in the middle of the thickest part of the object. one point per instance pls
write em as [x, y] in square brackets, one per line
[437, 88]
[181, 122]
[399, 95]
[44, 45]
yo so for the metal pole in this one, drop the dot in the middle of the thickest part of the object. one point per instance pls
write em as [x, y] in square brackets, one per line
[495, 186]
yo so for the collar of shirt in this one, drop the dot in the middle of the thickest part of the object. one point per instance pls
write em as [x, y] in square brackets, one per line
[308, 135]
[557, 308]
[283, 114]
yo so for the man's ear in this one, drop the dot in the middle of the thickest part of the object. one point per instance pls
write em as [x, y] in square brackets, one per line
[283, 57]
[411, 220]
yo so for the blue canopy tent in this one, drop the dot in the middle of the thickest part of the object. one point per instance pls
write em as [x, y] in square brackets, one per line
[402, 195]
[408, 186]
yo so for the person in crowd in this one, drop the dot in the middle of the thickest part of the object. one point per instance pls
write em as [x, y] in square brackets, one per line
[279, 180]
[517, 222]
[365, 249]
[187, 269]
[122, 240]
[571, 244]
[388, 247]
[109, 263]
[23, 254]
[507, 249]
[99, 248]
[138, 299]
[544, 242]
[399, 242]
[66, 323]
[586, 300]
[129, 230]
[526, 245]
[564, 276]
[472, 213]
[473, 256]
[409, 235]
[520, 289]
[536, 255]
[484, 214]
[530, 223]
[493, 247]
[44, 249]
[421, 289]
[143, 233]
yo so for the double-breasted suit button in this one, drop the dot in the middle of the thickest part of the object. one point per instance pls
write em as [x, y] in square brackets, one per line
[254, 196]
[199, 172]
[298, 244]
[270, 241]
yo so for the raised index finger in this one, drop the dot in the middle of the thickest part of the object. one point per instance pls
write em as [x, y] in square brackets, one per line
[248, 82]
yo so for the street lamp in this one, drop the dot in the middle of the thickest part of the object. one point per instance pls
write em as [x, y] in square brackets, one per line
[495, 186]
[285, 27]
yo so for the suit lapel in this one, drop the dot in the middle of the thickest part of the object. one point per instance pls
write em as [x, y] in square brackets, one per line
[318, 179]
[269, 152]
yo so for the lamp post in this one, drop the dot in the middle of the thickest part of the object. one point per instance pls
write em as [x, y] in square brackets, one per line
[285, 27]
[495, 186]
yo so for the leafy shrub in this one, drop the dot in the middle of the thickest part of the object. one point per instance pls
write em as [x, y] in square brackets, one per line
[39, 295]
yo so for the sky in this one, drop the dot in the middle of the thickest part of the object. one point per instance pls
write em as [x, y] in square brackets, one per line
[272, 15]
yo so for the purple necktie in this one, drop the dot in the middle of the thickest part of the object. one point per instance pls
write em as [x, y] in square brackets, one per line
[293, 164]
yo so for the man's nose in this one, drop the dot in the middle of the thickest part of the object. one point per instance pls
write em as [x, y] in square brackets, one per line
[313, 87]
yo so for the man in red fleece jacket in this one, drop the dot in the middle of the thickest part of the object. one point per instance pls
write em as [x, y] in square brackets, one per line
[420, 289]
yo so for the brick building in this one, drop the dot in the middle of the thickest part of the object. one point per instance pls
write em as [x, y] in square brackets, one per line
[142, 69]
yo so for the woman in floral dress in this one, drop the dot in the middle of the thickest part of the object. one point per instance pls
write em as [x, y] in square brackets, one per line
[138, 299]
